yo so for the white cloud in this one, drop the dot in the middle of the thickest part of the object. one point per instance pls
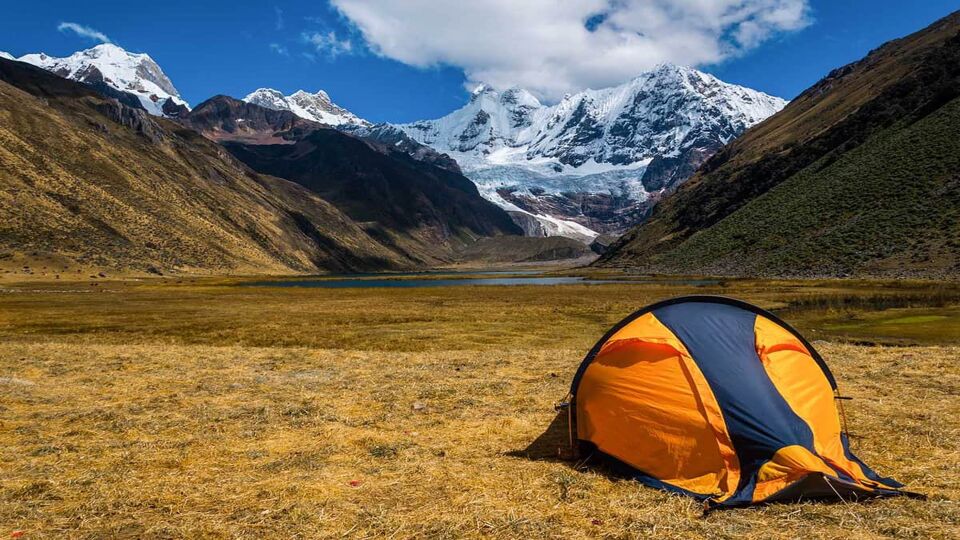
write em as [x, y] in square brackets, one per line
[547, 47]
[84, 31]
[328, 44]
[279, 49]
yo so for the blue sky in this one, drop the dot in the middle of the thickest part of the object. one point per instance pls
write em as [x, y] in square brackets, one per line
[406, 63]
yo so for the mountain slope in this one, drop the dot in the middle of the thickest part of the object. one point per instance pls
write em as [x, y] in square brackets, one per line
[267, 114]
[855, 176]
[108, 66]
[93, 183]
[597, 156]
[395, 138]
[223, 118]
[423, 210]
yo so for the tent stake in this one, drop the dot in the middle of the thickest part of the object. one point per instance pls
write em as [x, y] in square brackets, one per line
[843, 414]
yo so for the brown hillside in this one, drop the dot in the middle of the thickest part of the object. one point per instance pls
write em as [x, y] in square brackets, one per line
[417, 207]
[91, 183]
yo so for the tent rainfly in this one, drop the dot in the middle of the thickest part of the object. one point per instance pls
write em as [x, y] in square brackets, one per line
[720, 400]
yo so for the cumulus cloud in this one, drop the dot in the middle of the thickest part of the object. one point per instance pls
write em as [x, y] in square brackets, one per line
[555, 47]
[328, 44]
[84, 31]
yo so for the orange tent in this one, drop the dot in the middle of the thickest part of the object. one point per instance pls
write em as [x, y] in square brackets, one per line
[721, 400]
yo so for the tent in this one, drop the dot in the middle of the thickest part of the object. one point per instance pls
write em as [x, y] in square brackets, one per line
[720, 400]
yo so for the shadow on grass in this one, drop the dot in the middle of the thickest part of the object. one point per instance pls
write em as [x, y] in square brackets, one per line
[551, 445]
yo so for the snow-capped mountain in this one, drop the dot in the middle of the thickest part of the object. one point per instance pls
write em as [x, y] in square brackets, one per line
[317, 107]
[655, 114]
[8, 56]
[110, 65]
[596, 157]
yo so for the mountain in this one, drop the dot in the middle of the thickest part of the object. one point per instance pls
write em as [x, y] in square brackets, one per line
[420, 209]
[857, 176]
[317, 107]
[6, 55]
[89, 183]
[598, 157]
[108, 66]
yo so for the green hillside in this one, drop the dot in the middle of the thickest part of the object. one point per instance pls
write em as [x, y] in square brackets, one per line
[856, 176]
[889, 207]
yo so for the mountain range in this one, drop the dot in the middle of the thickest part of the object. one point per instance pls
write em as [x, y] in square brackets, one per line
[89, 182]
[591, 164]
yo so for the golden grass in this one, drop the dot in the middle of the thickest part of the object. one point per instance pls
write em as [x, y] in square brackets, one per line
[214, 312]
[117, 424]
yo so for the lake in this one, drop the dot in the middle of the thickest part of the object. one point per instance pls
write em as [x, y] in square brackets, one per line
[408, 281]
[375, 283]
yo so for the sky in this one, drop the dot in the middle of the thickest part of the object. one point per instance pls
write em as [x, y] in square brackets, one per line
[405, 60]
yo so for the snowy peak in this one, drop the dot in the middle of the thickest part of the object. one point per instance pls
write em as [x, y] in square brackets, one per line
[317, 107]
[8, 56]
[112, 66]
[492, 119]
[518, 97]
[319, 97]
[489, 98]
[660, 112]
[269, 98]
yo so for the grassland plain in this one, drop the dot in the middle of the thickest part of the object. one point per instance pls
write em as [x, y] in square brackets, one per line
[203, 409]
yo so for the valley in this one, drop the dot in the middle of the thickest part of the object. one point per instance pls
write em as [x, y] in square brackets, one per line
[855, 177]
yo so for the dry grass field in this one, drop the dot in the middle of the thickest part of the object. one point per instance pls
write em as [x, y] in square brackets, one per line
[202, 409]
